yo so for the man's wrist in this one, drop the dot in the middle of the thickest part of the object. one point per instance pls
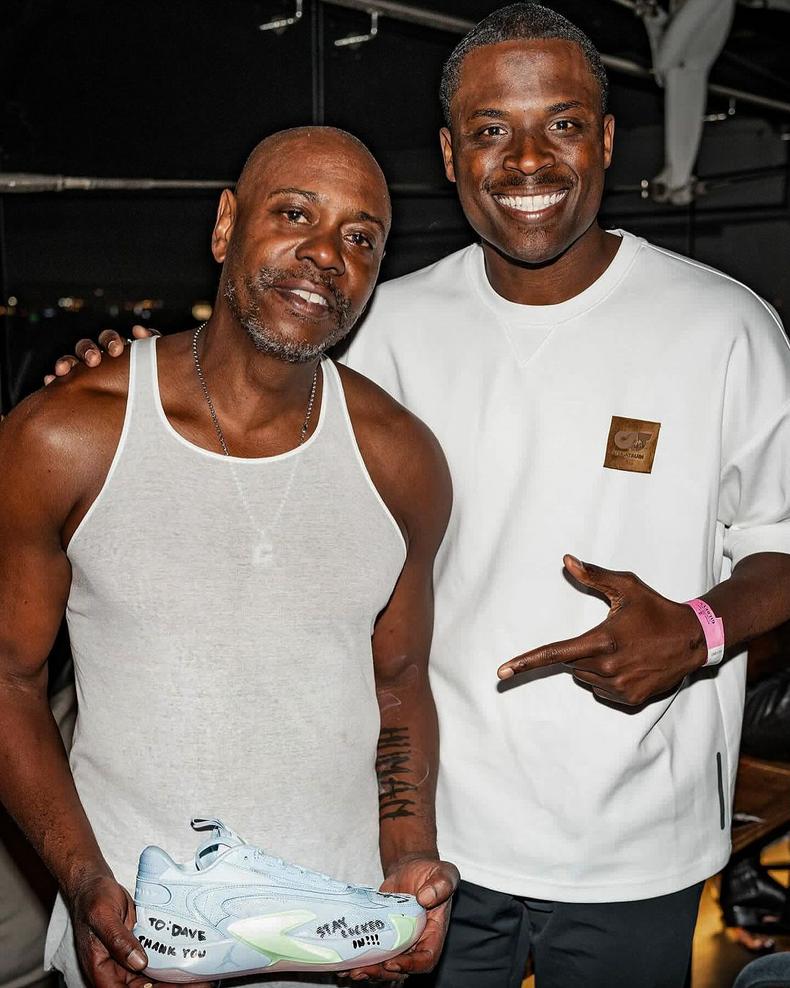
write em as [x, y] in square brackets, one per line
[712, 627]
[84, 872]
[396, 861]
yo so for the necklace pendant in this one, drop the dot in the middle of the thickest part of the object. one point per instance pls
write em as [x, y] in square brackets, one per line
[263, 552]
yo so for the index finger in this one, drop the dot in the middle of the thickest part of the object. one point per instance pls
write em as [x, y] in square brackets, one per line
[588, 645]
[112, 341]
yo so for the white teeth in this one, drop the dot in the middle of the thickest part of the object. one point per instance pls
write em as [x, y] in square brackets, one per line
[532, 204]
[309, 296]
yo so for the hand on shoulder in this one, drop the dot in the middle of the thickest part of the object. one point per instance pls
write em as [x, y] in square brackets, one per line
[87, 352]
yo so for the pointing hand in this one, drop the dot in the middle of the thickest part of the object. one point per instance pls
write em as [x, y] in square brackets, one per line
[644, 648]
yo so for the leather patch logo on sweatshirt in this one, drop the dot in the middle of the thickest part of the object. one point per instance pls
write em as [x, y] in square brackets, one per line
[631, 445]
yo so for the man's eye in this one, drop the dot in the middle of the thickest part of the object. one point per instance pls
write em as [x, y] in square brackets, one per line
[494, 130]
[294, 215]
[361, 240]
[564, 125]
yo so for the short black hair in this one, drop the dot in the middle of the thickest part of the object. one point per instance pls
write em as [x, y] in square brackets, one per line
[516, 22]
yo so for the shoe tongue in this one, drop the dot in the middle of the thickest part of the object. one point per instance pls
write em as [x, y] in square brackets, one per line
[220, 840]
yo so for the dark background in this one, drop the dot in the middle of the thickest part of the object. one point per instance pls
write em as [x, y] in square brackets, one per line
[183, 90]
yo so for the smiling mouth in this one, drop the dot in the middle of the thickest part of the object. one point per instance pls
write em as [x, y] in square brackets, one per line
[531, 203]
[312, 297]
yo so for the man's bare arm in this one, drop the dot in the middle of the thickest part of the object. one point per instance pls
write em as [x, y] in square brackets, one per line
[409, 470]
[35, 780]
[409, 740]
[47, 467]
[408, 750]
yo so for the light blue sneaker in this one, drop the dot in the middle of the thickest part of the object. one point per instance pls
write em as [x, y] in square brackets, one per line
[236, 911]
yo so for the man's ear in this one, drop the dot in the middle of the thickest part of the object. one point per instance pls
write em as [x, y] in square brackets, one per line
[223, 227]
[446, 142]
[608, 139]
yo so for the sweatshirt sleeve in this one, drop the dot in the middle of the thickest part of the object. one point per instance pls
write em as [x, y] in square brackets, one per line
[754, 497]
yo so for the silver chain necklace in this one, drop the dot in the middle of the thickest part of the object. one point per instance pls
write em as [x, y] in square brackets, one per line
[210, 403]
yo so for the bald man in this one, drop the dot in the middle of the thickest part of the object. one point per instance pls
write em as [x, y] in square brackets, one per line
[223, 649]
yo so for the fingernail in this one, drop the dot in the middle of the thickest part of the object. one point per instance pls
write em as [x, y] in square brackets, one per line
[49, 379]
[505, 673]
[578, 562]
[91, 356]
[115, 347]
[137, 959]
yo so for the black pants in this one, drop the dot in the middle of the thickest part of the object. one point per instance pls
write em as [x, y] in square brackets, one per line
[643, 944]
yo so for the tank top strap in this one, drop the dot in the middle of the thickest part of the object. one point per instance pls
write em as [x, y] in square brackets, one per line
[340, 442]
[335, 399]
[336, 427]
[142, 401]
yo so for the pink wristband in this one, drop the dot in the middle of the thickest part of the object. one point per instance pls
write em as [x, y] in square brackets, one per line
[713, 629]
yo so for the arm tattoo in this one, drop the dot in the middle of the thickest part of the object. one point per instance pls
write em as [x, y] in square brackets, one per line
[395, 774]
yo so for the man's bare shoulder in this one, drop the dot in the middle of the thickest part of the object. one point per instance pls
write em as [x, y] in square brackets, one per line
[60, 438]
[402, 455]
[375, 410]
[70, 407]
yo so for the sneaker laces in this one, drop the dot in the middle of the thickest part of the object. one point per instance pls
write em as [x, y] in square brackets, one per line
[222, 838]
[259, 854]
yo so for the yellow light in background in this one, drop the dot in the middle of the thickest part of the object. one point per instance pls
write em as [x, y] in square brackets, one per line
[146, 305]
[202, 311]
[71, 304]
[12, 301]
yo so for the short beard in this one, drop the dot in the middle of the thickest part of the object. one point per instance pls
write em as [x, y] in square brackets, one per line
[264, 339]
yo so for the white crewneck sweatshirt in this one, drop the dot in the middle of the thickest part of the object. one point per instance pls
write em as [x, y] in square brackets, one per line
[545, 791]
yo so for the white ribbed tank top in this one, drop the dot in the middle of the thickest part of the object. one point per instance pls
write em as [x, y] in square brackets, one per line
[220, 617]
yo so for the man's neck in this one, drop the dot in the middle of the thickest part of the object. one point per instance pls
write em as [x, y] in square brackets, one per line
[554, 281]
[250, 386]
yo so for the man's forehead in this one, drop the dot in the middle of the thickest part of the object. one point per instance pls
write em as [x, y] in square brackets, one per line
[302, 156]
[321, 170]
[299, 163]
[545, 70]
[333, 180]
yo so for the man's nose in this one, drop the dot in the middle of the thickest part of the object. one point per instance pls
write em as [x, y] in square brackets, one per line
[325, 250]
[529, 151]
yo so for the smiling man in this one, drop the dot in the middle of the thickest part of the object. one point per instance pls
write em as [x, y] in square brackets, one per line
[598, 395]
[223, 650]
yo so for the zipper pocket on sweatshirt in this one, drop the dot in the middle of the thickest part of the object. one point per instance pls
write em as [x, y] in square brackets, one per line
[722, 813]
